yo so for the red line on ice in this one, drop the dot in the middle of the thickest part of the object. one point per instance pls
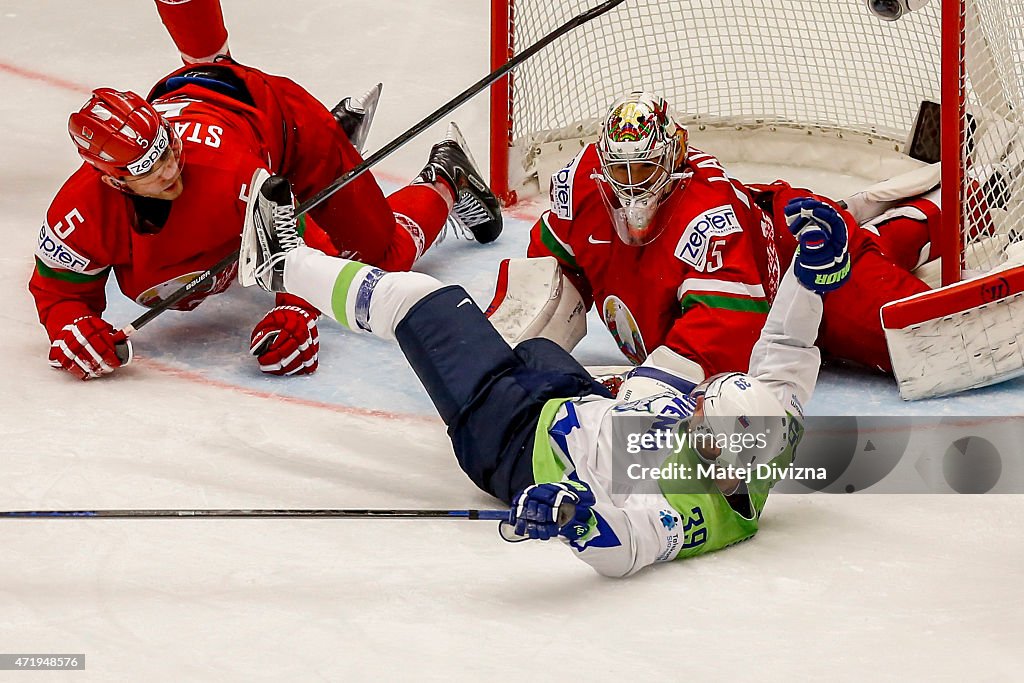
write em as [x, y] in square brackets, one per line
[46, 79]
[192, 376]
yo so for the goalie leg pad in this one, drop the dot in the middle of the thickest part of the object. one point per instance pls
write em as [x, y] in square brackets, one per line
[874, 200]
[534, 299]
[959, 337]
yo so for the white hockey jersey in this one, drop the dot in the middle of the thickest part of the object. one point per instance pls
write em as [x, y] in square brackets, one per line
[652, 504]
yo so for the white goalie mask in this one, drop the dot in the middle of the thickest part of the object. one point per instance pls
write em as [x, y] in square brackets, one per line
[640, 147]
[738, 421]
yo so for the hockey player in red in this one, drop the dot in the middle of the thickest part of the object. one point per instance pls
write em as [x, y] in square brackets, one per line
[197, 28]
[675, 252]
[161, 198]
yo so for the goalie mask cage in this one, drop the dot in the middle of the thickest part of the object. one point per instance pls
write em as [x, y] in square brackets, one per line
[801, 71]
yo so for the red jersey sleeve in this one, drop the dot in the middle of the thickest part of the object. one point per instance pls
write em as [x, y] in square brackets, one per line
[73, 254]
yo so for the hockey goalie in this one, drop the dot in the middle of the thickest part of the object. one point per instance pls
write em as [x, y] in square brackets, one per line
[675, 252]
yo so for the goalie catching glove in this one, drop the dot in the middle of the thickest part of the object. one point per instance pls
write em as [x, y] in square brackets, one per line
[543, 511]
[821, 262]
[286, 341]
[87, 348]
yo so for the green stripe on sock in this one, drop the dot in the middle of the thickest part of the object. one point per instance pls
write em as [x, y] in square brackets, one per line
[339, 297]
[726, 302]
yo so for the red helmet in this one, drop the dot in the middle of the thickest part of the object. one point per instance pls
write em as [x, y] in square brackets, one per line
[120, 133]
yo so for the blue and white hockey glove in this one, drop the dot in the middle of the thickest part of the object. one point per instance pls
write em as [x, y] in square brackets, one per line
[543, 511]
[821, 262]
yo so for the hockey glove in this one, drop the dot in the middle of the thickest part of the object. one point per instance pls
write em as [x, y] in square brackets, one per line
[286, 341]
[86, 348]
[543, 511]
[821, 262]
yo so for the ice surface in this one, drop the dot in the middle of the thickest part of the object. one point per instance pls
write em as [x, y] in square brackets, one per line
[861, 587]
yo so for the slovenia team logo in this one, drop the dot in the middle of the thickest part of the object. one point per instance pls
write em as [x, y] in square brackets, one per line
[668, 520]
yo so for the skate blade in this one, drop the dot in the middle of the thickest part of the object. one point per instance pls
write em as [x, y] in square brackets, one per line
[367, 104]
[455, 135]
[247, 249]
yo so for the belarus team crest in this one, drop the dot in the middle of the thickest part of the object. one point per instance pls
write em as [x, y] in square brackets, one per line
[621, 323]
[215, 285]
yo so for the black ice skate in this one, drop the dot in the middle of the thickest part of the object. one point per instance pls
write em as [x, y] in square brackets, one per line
[268, 234]
[476, 208]
[355, 116]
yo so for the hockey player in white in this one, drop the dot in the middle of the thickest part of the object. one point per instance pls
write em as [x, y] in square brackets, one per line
[530, 426]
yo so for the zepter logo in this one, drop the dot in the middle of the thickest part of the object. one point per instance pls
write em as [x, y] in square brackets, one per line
[146, 161]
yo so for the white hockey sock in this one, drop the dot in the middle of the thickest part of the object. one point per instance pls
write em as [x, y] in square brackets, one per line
[359, 297]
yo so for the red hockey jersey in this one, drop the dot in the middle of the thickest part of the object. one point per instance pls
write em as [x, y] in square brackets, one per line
[92, 229]
[703, 287]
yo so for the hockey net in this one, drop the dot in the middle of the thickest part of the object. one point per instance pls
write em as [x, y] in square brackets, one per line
[789, 73]
[818, 84]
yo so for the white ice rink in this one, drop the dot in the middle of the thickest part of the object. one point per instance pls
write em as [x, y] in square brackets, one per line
[864, 587]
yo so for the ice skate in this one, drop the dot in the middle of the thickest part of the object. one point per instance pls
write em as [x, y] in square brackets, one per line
[355, 116]
[269, 233]
[476, 209]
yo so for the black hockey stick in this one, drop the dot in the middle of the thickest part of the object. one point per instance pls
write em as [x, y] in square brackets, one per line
[378, 156]
[498, 515]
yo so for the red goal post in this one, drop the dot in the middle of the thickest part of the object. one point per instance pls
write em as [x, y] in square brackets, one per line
[788, 73]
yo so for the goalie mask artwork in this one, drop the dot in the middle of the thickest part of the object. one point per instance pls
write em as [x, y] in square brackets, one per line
[640, 147]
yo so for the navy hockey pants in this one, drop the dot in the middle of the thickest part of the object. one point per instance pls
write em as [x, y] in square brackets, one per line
[489, 394]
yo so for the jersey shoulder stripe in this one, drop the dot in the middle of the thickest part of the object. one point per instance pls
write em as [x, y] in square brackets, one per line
[558, 248]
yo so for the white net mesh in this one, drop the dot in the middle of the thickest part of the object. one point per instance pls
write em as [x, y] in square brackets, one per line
[993, 153]
[824, 65]
[810, 62]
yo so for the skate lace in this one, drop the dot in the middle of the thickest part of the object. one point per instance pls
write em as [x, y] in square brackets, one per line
[456, 229]
[470, 211]
[285, 227]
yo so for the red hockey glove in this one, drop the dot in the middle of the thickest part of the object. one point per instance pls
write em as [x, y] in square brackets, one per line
[286, 341]
[86, 348]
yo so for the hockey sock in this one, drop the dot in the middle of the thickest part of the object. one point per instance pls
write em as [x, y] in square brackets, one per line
[196, 27]
[443, 189]
[425, 205]
[359, 297]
